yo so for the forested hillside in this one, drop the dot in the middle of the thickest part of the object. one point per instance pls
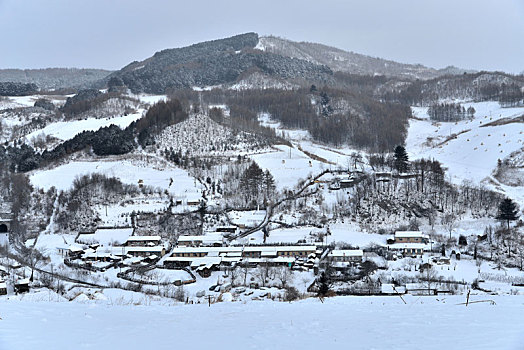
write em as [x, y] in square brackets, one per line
[213, 63]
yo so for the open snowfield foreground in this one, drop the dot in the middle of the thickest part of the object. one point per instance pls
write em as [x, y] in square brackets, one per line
[338, 323]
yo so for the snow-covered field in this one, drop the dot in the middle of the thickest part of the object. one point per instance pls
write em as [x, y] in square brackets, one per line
[68, 130]
[128, 171]
[473, 154]
[29, 101]
[288, 165]
[337, 323]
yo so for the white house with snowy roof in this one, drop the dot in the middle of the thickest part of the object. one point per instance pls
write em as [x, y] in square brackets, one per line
[411, 237]
[346, 255]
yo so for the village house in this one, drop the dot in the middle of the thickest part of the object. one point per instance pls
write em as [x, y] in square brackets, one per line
[228, 230]
[409, 249]
[70, 251]
[207, 240]
[193, 202]
[3, 271]
[159, 251]
[143, 241]
[3, 288]
[105, 236]
[100, 254]
[346, 255]
[411, 237]
[22, 286]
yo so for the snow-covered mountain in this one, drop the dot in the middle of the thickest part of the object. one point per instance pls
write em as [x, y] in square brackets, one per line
[350, 62]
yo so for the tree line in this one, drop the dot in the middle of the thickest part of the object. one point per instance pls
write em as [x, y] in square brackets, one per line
[450, 112]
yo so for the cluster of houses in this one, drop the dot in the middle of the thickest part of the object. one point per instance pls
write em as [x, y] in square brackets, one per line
[209, 252]
[20, 286]
[204, 259]
[348, 180]
[114, 244]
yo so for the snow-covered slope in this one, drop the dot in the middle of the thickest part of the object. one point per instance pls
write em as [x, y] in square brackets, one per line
[128, 170]
[470, 149]
[199, 135]
[66, 130]
[261, 81]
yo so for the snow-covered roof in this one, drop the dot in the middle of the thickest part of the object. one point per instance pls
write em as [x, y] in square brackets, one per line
[346, 252]
[272, 252]
[231, 259]
[409, 246]
[261, 249]
[409, 234]
[3, 285]
[145, 249]
[181, 258]
[207, 261]
[143, 238]
[99, 255]
[283, 259]
[107, 236]
[71, 248]
[23, 281]
[133, 260]
[233, 254]
[207, 238]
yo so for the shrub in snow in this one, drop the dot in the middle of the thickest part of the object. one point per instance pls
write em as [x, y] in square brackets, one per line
[291, 294]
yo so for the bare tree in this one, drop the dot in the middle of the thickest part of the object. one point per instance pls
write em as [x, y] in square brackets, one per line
[450, 223]
[262, 272]
[429, 276]
[284, 275]
[180, 294]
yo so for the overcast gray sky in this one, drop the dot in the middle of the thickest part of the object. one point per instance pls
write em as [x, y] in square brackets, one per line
[477, 34]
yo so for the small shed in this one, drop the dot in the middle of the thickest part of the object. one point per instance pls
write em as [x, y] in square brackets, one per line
[3, 288]
[22, 286]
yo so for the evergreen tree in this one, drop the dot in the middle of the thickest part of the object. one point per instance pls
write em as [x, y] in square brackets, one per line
[269, 184]
[401, 159]
[507, 211]
[251, 182]
[324, 285]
